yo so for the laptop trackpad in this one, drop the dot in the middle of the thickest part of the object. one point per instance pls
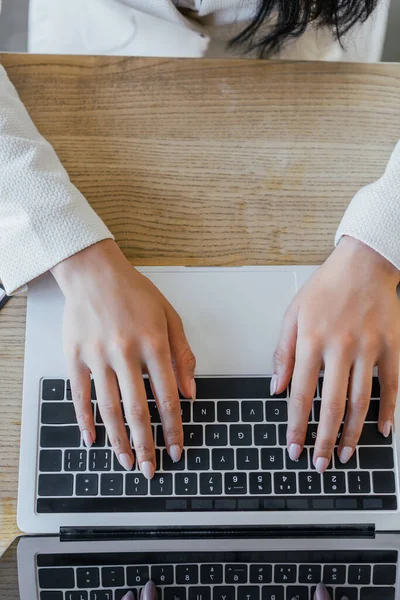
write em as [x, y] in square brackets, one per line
[232, 318]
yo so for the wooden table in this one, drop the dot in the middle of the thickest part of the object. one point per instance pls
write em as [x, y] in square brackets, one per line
[200, 162]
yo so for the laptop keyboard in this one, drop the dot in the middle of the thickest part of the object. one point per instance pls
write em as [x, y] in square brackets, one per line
[235, 458]
[280, 575]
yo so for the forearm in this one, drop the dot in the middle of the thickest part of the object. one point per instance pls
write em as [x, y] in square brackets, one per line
[44, 219]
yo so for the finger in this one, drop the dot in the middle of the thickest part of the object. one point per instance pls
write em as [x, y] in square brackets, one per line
[137, 415]
[388, 370]
[321, 593]
[304, 383]
[108, 399]
[357, 407]
[284, 355]
[183, 359]
[163, 382]
[79, 375]
[336, 377]
[149, 592]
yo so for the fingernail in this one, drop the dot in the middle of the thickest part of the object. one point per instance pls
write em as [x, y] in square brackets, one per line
[149, 591]
[321, 464]
[126, 461]
[273, 384]
[87, 438]
[321, 593]
[128, 596]
[345, 454]
[147, 469]
[175, 453]
[294, 451]
[193, 389]
[387, 428]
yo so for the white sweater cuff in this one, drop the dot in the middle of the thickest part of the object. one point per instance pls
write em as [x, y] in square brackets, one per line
[373, 216]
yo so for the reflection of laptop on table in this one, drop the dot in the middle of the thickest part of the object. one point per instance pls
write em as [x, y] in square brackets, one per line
[235, 472]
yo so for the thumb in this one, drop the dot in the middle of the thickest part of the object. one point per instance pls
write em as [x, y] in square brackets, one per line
[183, 359]
[285, 352]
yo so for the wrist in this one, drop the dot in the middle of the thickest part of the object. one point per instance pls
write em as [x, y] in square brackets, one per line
[368, 260]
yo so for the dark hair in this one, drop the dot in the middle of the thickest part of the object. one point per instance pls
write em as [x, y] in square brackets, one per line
[290, 19]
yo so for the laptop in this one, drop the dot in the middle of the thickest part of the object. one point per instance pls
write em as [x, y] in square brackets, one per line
[235, 479]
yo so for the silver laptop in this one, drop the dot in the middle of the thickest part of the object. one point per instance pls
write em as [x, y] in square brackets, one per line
[235, 472]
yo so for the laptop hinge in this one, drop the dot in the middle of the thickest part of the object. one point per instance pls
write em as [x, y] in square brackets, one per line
[256, 532]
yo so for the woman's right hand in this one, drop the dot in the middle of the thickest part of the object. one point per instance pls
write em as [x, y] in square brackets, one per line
[117, 325]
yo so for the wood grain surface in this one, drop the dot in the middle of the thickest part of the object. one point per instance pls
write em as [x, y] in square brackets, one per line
[200, 162]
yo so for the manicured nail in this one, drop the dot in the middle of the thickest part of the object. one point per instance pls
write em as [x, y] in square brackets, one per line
[149, 591]
[387, 428]
[175, 453]
[128, 596]
[321, 464]
[87, 438]
[193, 389]
[147, 469]
[345, 454]
[321, 593]
[294, 451]
[274, 384]
[126, 461]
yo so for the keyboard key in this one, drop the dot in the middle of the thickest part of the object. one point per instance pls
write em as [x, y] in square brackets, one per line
[300, 464]
[56, 578]
[235, 483]
[310, 483]
[212, 574]
[334, 483]
[58, 413]
[350, 593]
[101, 595]
[51, 596]
[265, 435]
[136, 484]
[285, 483]
[53, 389]
[359, 574]
[162, 575]
[351, 464]
[370, 436]
[240, 435]
[198, 460]
[76, 595]
[204, 411]
[75, 460]
[154, 414]
[186, 411]
[112, 577]
[223, 459]
[119, 468]
[282, 434]
[248, 592]
[384, 575]
[161, 484]
[112, 485]
[224, 592]
[216, 435]
[160, 441]
[309, 573]
[285, 573]
[335, 574]
[247, 459]
[376, 388]
[87, 485]
[378, 593]
[88, 577]
[276, 411]
[100, 440]
[376, 458]
[174, 593]
[271, 459]
[383, 482]
[100, 460]
[252, 411]
[359, 482]
[193, 435]
[317, 410]
[93, 390]
[297, 592]
[236, 573]
[260, 573]
[260, 484]
[211, 484]
[50, 460]
[373, 411]
[228, 412]
[60, 437]
[311, 435]
[137, 575]
[186, 484]
[56, 485]
[273, 592]
[200, 593]
[169, 465]
[187, 574]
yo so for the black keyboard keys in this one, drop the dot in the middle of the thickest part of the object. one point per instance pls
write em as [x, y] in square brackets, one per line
[88, 577]
[276, 411]
[334, 483]
[111, 485]
[224, 592]
[247, 459]
[335, 574]
[298, 592]
[310, 483]
[309, 573]
[235, 483]
[50, 460]
[186, 484]
[136, 484]
[161, 484]
[359, 574]
[112, 577]
[193, 435]
[58, 413]
[100, 460]
[211, 574]
[56, 485]
[137, 576]
[384, 575]
[300, 464]
[265, 435]
[359, 482]
[285, 483]
[198, 459]
[252, 411]
[248, 592]
[53, 389]
[216, 435]
[223, 459]
[175, 593]
[236, 573]
[87, 484]
[271, 459]
[56, 578]
[285, 573]
[273, 592]
[211, 484]
[376, 458]
[203, 411]
[228, 412]
[370, 436]
[240, 435]
[260, 573]
[187, 574]
[200, 593]
[75, 460]
[60, 437]
[383, 482]
[162, 575]
[170, 465]
[260, 483]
